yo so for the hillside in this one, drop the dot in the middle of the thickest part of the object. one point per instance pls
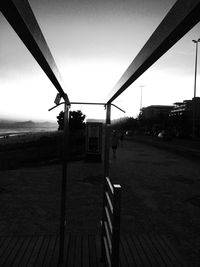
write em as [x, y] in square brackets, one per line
[25, 124]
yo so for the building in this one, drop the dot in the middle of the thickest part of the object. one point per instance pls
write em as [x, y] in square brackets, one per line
[183, 118]
[154, 111]
[188, 112]
[182, 108]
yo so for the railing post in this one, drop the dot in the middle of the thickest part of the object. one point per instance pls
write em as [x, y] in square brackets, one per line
[107, 141]
[110, 236]
[116, 224]
[64, 184]
[106, 167]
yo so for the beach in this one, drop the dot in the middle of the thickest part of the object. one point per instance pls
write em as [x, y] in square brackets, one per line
[29, 148]
[30, 185]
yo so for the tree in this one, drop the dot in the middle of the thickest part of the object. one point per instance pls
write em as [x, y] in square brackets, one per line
[76, 120]
[60, 121]
[125, 124]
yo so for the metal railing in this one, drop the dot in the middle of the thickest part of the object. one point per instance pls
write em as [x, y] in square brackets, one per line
[110, 235]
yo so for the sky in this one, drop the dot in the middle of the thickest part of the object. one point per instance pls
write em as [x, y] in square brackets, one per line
[93, 42]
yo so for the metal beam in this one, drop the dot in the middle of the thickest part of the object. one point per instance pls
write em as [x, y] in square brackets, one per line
[107, 142]
[20, 16]
[181, 18]
[87, 103]
[63, 220]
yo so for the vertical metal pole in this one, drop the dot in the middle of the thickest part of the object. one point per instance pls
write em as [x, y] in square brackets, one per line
[195, 74]
[194, 118]
[106, 171]
[64, 184]
[107, 141]
[195, 82]
[141, 94]
[116, 224]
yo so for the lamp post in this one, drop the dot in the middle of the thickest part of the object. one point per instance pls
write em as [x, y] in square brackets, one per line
[141, 95]
[195, 74]
[195, 82]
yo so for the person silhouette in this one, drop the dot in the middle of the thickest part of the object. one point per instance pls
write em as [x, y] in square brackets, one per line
[122, 138]
[114, 143]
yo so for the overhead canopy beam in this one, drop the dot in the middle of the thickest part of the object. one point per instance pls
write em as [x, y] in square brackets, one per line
[87, 103]
[181, 18]
[20, 16]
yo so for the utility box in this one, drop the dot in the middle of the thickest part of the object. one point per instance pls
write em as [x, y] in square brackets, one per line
[93, 141]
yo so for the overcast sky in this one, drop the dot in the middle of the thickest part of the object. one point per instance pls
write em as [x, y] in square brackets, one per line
[93, 42]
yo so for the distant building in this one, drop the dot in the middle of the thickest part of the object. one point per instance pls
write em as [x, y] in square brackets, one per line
[186, 108]
[190, 111]
[182, 108]
[155, 111]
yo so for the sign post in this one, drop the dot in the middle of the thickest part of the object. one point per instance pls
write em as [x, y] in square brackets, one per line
[93, 141]
[58, 98]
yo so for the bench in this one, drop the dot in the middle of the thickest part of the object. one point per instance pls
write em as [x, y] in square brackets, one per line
[110, 236]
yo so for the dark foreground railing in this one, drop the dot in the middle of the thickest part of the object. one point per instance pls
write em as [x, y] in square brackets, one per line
[111, 224]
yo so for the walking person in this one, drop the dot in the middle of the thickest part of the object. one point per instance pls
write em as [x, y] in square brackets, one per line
[114, 143]
[122, 138]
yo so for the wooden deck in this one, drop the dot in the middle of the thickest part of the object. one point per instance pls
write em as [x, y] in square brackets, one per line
[83, 250]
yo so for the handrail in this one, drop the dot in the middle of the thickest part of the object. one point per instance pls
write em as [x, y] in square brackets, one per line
[180, 19]
[111, 224]
[22, 19]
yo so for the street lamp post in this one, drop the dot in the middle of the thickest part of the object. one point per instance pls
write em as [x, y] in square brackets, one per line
[195, 74]
[141, 95]
[195, 83]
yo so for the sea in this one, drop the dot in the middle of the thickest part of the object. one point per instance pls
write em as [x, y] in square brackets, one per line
[9, 132]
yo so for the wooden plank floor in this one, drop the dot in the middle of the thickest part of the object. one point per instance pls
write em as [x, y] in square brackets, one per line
[83, 250]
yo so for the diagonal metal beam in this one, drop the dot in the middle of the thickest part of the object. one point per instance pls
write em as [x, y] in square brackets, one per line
[181, 18]
[20, 16]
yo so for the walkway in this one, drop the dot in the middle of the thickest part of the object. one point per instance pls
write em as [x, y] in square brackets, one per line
[84, 251]
[160, 195]
[158, 189]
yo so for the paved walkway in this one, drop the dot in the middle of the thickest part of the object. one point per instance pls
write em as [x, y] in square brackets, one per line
[184, 147]
[85, 250]
[160, 195]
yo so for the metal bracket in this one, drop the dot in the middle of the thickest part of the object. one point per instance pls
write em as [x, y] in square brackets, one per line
[87, 103]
